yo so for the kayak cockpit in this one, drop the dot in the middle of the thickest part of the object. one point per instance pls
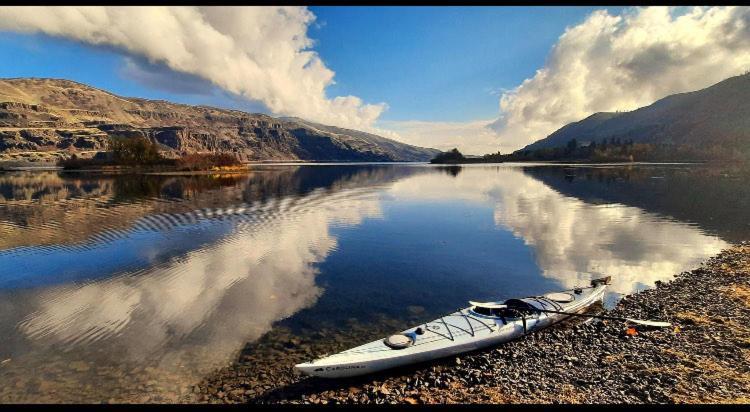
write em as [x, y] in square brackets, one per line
[511, 309]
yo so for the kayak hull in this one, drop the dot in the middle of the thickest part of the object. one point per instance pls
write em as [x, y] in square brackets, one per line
[459, 332]
[362, 367]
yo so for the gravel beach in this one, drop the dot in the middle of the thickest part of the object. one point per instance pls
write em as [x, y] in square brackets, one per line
[703, 358]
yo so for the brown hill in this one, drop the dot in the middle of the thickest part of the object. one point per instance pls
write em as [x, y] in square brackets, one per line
[717, 117]
[64, 117]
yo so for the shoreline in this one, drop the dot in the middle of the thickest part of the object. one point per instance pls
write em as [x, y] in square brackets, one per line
[245, 166]
[703, 358]
[248, 166]
[585, 162]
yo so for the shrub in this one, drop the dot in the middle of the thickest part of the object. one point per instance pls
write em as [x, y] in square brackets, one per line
[134, 151]
[75, 162]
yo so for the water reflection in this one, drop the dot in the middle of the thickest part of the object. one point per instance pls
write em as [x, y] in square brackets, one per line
[450, 170]
[132, 288]
[574, 241]
[209, 280]
[715, 199]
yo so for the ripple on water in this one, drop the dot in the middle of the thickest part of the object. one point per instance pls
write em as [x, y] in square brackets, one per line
[148, 304]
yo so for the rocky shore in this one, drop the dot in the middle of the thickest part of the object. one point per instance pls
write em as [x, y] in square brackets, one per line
[703, 358]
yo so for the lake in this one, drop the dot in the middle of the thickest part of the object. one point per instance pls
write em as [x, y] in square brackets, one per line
[122, 287]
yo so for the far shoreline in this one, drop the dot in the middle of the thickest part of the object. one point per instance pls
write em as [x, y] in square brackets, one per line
[573, 162]
[248, 166]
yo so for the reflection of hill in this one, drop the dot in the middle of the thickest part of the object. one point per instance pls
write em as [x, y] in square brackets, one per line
[174, 272]
[50, 208]
[182, 316]
[46, 208]
[718, 200]
[285, 180]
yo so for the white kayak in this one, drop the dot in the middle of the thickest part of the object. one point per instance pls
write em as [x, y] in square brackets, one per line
[477, 326]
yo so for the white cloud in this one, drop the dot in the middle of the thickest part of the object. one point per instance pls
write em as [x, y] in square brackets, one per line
[261, 53]
[610, 63]
[473, 137]
[606, 63]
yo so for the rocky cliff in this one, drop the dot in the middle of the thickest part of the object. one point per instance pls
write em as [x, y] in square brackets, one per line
[62, 117]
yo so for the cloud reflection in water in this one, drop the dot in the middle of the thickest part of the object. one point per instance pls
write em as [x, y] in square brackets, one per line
[572, 240]
[198, 281]
[192, 312]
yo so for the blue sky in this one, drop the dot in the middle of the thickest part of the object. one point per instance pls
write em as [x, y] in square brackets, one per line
[437, 63]
[425, 63]
[483, 79]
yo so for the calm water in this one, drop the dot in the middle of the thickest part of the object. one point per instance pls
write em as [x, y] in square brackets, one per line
[122, 287]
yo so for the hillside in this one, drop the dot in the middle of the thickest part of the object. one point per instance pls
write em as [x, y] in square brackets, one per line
[707, 119]
[62, 117]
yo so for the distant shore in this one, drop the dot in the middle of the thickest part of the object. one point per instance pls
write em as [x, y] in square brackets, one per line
[704, 358]
[471, 161]
[10, 166]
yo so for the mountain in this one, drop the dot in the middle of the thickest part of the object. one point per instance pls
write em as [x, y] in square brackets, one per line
[60, 117]
[717, 116]
[407, 152]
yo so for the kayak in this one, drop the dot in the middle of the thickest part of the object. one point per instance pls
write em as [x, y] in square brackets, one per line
[478, 326]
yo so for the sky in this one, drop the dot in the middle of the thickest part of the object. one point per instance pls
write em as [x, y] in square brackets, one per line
[483, 79]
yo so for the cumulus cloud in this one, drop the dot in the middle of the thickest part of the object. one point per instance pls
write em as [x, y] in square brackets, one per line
[261, 53]
[606, 63]
[611, 62]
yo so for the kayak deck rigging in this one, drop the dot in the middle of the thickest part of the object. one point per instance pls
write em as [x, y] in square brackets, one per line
[481, 325]
[457, 314]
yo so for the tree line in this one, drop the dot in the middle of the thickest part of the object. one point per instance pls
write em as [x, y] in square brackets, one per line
[611, 150]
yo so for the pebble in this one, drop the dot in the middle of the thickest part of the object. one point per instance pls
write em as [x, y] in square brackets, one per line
[700, 360]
